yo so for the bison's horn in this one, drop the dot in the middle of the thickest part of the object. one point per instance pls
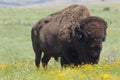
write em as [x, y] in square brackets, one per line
[78, 32]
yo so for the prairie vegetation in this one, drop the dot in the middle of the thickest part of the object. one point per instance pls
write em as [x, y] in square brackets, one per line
[17, 56]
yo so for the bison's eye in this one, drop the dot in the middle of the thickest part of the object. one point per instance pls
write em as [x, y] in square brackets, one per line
[92, 45]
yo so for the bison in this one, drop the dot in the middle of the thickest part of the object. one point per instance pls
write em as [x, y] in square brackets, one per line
[72, 34]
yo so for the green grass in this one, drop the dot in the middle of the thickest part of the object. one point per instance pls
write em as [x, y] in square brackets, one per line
[17, 56]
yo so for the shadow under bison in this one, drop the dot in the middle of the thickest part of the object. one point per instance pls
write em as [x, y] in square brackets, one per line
[72, 34]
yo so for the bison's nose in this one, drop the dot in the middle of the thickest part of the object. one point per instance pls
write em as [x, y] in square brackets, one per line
[96, 51]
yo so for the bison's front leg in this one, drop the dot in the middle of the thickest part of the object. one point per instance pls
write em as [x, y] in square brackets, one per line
[64, 61]
[66, 57]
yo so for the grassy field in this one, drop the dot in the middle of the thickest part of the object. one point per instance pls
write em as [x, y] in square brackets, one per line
[17, 56]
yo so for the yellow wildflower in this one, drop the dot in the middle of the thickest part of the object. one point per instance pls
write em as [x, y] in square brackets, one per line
[52, 73]
[3, 66]
[83, 76]
[106, 66]
[89, 67]
[106, 76]
[62, 75]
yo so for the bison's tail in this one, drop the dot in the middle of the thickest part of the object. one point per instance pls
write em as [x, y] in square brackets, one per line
[36, 46]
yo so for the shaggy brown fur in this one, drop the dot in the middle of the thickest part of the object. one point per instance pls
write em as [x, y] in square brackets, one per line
[70, 19]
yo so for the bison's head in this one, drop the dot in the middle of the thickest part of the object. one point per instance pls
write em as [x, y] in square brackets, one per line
[92, 32]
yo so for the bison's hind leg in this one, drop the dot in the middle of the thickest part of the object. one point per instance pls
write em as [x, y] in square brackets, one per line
[45, 60]
[38, 58]
[38, 53]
